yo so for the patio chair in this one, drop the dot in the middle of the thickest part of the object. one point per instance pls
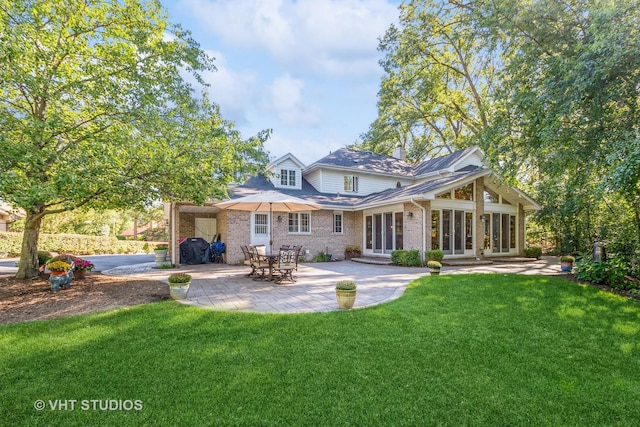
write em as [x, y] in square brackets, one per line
[258, 263]
[287, 262]
[247, 260]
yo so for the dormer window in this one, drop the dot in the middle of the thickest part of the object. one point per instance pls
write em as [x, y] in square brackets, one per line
[351, 183]
[287, 178]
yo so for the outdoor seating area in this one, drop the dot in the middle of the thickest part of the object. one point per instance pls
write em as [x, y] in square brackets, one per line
[277, 266]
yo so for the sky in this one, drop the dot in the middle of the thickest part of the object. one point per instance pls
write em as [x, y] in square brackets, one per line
[307, 69]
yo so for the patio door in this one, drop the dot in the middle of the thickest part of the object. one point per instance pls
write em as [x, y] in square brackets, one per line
[260, 225]
[456, 231]
[382, 232]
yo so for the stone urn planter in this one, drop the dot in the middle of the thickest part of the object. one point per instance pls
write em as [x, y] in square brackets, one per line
[434, 267]
[179, 285]
[161, 253]
[346, 294]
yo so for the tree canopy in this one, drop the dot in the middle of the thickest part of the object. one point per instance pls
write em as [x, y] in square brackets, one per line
[435, 95]
[549, 89]
[96, 110]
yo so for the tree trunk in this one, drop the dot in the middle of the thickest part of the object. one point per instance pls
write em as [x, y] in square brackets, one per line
[28, 267]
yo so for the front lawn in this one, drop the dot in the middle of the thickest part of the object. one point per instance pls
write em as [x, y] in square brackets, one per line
[454, 350]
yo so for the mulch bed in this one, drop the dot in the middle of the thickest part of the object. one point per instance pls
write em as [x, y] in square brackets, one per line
[22, 300]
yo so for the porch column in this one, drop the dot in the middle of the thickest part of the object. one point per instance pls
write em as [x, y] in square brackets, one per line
[522, 230]
[478, 229]
[174, 249]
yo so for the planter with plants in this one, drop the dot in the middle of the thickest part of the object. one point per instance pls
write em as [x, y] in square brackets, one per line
[566, 263]
[161, 252]
[179, 285]
[61, 274]
[434, 267]
[80, 268]
[352, 252]
[346, 294]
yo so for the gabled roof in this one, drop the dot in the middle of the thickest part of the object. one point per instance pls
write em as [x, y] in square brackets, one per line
[365, 161]
[445, 162]
[422, 189]
[261, 183]
[287, 156]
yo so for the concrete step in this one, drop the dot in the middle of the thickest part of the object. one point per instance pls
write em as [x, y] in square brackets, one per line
[372, 260]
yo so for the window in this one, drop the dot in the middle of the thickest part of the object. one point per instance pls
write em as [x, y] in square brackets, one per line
[464, 193]
[299, 223]
[435, 229]
[337, 222]
[260, 226]
[351, 183]
[490, 196]
[287, 178]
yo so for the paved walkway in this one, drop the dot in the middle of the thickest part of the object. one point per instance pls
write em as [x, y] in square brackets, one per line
[225, 287]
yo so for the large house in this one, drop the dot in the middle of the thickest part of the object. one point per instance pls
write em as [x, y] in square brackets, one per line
[377, 202]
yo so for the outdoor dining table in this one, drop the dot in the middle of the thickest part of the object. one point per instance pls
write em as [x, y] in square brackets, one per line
[271, 259]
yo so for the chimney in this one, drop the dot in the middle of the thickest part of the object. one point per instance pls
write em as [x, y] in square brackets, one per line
[399, 152]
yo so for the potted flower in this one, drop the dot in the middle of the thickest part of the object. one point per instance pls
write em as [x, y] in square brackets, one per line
[161, 252]
[434, 267]
[179, 285]
[566, 262]
[58, 267]
[346, 294]
[352, 252]
[61, 274]
[81, 266]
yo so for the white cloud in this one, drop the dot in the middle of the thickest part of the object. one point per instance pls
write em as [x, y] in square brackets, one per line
[232, 90]
[285, 97]
[335, 37]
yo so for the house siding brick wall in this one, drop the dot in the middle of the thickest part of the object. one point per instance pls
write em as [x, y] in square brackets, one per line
[237, 233]
[322, 237]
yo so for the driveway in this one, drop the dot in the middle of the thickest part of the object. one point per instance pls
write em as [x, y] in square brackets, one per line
[102, 262]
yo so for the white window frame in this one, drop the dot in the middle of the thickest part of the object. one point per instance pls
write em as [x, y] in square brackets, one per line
[338, 228]
[351, 183]
[287, 178]
[299, 223]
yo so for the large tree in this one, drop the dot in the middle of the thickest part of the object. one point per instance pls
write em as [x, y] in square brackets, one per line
[569, 98]
[95, 111]
[435, 96]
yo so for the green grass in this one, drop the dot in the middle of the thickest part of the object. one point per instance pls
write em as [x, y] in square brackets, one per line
[454, 350]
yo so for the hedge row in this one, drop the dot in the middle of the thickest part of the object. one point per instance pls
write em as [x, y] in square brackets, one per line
[10, 244]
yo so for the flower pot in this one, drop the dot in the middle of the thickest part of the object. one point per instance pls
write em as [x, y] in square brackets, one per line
[566, 266]
[434, 271]
[161, 255]
[60, 278]
[179, 290]
[345, 299]
[80, 274]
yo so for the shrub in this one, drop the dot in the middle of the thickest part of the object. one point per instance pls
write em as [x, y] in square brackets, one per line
[44, 257]
[533, 252]
[399, 257]
[435, 255]
[434, 264]
[609, 272]
[179, 278]
[567, 258]
[409, 258]
[413, 258]
[346, 285]
[322, 257]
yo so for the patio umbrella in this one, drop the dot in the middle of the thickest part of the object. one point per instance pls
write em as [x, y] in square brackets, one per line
[271, 201]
